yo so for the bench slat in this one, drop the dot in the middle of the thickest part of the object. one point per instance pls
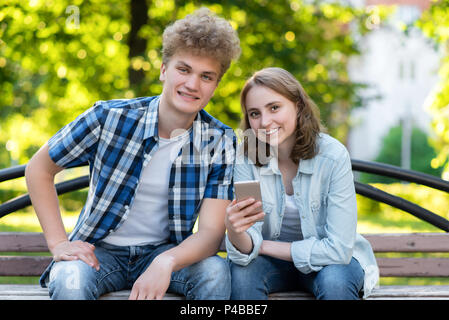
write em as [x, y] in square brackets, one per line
[413, 242]
[413, 267]
[23, 242]
[23, 265]
[394, 242]
[389, 267]
[35, 292]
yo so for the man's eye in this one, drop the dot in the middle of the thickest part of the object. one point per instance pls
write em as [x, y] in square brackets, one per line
[207, 78]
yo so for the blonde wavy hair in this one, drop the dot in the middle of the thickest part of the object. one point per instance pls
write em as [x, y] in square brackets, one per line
[308, 122]
[202, 33]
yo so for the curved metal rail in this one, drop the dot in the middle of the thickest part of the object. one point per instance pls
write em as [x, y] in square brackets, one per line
[357, 165]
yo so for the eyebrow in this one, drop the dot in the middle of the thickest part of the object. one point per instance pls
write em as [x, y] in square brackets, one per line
[182, 63]
[269, 104]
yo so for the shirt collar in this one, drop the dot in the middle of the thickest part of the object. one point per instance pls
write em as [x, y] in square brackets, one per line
[305, 166]
[151, 119]
[151, 124]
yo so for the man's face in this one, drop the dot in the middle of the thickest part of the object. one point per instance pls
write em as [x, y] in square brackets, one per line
[189, 82]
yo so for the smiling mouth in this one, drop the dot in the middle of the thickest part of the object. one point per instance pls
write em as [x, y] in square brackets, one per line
[272, 131]
[186, 95]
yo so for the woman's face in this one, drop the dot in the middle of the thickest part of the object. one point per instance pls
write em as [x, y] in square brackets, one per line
[272, 116]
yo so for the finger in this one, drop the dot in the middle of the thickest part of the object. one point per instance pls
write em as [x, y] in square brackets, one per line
[133, 295]
[64, 257]
[251, 219]
[88, 260]
[245, 227]
[141, 296]
[243, 203]
[252, 209]
[96, 263]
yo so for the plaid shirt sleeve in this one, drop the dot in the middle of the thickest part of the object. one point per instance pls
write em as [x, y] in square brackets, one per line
[75, 143]
[220, 180]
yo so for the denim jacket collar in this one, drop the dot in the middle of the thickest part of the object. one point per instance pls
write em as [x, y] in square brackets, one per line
[305, 166]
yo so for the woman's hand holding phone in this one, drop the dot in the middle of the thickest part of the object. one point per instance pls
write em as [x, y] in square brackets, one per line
[241, 215]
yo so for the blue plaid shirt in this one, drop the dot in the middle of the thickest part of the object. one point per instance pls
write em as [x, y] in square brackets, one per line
[118, 138]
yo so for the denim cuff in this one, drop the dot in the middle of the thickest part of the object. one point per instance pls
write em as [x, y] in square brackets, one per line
[241, 258]
[301, 252]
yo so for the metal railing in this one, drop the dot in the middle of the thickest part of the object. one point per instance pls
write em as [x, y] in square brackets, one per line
[362, 189]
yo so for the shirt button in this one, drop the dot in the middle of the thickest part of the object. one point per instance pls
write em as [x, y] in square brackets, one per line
[297, 193]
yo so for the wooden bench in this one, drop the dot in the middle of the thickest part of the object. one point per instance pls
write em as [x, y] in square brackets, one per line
[389, 266]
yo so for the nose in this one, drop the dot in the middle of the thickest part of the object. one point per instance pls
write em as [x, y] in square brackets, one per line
[265, 121]
[192, 82]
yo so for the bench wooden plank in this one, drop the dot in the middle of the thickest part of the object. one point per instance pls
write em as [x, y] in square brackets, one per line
[413, 267]
[392, 242]
[23, 242]
[389, 267]
[23, 265]
[35, 292]
[413, 242]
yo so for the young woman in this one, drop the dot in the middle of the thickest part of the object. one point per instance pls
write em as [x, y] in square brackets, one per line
[307, 239]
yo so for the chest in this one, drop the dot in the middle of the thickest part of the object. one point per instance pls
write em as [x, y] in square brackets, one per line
[288, 172]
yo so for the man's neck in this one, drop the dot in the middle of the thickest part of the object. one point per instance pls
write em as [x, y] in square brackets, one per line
[173, 122]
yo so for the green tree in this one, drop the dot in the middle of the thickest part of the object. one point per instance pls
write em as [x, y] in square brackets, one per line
[422, 154]
[435, 24]
[58, 57]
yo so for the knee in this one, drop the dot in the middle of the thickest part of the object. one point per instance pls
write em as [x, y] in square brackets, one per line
[247, 282]
[212, 280]
[336, 282]
[240, 275]
[72, 280]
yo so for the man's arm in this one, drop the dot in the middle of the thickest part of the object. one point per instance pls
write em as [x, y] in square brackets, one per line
[39, 174]
[154, 282]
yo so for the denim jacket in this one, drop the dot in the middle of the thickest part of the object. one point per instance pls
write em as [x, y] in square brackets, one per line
[325, 196]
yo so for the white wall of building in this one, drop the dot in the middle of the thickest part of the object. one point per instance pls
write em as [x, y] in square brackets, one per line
[402, 71]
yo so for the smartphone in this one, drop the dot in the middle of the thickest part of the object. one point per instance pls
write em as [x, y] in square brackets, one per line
[248, 189]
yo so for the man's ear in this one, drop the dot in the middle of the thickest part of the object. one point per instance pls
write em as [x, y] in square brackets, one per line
[162, 73]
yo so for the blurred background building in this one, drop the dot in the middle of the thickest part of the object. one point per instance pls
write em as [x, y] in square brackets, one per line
[401, 71]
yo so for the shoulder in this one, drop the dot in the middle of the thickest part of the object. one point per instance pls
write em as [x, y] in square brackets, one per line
[124, 104]
[217, 131]
[331, 148]
[213, 123]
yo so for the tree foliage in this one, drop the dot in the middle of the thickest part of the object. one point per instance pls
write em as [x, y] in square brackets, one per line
[435, 24]
[421, 154]
[58, 57]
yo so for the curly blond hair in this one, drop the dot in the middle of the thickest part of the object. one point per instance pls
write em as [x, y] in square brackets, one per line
[205, 34]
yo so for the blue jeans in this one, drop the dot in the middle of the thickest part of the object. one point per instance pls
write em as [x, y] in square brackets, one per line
[121, 266]
[265, 275]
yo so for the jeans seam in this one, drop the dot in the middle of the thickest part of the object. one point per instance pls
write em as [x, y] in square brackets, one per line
[107, 274]
[187, 288]
[265, 280]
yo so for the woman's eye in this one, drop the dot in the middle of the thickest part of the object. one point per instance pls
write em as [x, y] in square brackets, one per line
[253, 114]
[274, 107]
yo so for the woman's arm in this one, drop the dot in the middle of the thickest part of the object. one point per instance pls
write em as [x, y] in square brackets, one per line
[276, 249]
[237, 223]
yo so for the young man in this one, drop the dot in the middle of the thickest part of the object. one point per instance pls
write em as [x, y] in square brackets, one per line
[156, 164]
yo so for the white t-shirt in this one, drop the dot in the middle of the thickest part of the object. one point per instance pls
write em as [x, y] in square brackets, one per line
[291, 223]
[147, 219]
